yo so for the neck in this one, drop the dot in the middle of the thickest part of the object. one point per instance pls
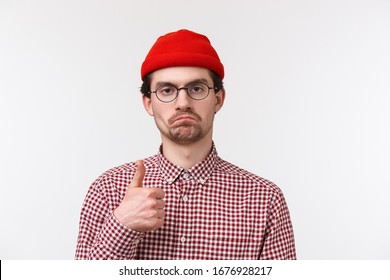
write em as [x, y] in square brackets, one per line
[188, 155]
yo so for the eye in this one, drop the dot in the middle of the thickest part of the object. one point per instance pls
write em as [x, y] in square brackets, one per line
[166, 90]
[197, 88]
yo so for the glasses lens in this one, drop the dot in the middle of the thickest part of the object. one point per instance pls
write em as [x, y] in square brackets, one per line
[166, 93]
[198, 90]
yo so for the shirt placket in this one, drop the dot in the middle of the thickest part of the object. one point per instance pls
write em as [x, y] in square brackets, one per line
[187, 188]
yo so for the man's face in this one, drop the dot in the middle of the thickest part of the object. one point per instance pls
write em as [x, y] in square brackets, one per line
[184, 120]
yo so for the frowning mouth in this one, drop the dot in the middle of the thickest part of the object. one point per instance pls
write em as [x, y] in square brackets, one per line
[183, 117]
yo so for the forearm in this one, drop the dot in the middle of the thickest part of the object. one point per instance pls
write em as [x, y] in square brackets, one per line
[112, 241]
[101, 235]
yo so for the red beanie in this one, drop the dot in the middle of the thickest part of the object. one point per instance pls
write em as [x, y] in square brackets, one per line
[182, 48]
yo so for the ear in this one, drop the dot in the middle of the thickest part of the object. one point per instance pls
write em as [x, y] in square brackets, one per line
[220, 99]
[148, 104]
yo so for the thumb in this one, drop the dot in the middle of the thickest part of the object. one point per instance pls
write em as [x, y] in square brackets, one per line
[139, 175]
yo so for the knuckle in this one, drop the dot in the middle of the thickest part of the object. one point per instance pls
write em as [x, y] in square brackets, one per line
[151, 203]
[161, 204]
[149, 192]
[152, 213]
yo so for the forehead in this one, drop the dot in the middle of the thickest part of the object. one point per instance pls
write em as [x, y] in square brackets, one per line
[180, 75]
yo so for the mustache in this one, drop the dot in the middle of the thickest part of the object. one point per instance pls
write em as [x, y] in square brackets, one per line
[179, 114]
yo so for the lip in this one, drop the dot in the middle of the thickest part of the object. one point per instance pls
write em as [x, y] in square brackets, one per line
[184, 118]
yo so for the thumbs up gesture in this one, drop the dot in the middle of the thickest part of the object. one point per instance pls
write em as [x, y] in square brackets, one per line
[142, 209]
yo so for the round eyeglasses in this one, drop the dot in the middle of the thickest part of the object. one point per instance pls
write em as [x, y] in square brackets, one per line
[197, 91]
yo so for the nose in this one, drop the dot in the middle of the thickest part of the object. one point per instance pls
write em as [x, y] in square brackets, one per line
[183, 100]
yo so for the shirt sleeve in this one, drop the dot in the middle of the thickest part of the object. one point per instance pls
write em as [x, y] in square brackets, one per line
[279, 241]
[101, 235]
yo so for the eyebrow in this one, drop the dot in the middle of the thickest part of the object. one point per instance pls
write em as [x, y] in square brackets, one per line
[162, 83]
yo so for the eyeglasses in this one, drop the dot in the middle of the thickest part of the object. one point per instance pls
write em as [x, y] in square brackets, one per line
[197, 91]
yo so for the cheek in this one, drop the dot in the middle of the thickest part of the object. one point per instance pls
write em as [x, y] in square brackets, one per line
[155, 107]
[159, 112]
[211, 110]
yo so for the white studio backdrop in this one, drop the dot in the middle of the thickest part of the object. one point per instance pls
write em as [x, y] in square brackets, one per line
[307, 107]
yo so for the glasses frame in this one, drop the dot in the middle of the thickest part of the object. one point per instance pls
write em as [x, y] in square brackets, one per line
[186, 89]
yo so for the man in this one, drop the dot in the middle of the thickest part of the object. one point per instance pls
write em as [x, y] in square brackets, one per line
[185, 202]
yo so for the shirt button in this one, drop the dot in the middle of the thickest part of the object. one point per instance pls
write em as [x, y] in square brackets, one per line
[136, 242]
[202, 181]
[182, 239]
[185, 198]
[186, 175]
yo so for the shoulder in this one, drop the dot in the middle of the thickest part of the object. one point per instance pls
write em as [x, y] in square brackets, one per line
[122, 175]
[244, 177]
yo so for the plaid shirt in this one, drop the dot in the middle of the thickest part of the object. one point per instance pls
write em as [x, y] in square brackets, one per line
[214, 210]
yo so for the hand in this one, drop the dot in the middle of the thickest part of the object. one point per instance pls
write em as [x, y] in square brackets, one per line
[142, 209]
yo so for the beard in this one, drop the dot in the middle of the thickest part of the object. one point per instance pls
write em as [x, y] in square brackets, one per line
[185, 134]
[187, 131]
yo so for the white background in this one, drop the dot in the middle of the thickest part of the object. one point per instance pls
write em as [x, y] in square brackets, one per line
[308, 85]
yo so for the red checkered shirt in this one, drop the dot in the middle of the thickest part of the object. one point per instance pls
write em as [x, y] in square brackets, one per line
[214, 210]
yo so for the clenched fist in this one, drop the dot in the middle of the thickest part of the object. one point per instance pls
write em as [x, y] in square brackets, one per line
[142, 209]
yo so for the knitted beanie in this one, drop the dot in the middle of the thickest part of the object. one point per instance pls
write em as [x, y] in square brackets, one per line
[182, 48]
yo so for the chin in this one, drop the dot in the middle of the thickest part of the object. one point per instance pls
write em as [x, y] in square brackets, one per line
[186, 138]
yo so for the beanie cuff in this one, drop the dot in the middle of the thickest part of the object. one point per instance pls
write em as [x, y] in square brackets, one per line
[181, 59]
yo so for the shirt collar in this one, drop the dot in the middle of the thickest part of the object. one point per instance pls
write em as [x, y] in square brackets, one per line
[201, 172]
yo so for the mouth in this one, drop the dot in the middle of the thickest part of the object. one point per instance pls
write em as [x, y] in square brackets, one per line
[183, 118]
[183, 121]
